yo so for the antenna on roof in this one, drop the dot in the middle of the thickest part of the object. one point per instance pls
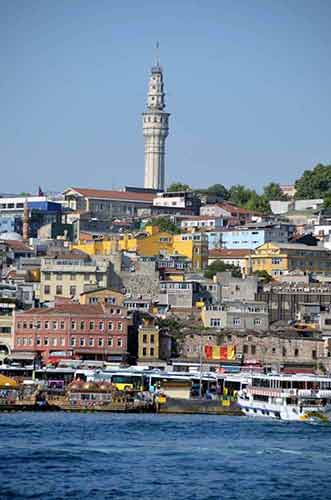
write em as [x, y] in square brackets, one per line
[157, 53]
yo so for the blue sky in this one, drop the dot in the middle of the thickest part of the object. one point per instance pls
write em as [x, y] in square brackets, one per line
[248, 88]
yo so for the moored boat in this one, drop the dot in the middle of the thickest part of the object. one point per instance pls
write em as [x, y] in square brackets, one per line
[287, 397]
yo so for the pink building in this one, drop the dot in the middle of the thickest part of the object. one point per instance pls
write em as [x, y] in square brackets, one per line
[92, 331]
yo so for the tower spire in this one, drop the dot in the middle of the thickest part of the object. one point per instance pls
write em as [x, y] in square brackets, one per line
[157, 53]
[155, 128]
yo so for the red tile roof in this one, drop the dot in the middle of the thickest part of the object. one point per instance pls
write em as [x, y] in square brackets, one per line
[17, 245]
[114, 195]
[237, 210]
[236, 253]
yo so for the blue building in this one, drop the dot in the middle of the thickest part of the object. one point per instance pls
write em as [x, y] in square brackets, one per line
[252, 236]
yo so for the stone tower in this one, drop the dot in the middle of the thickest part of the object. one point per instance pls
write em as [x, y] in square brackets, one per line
[155, 128]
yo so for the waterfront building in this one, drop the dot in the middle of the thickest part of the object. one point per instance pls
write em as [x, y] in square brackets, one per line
[154, 344]
[84, 331]
[155, 129]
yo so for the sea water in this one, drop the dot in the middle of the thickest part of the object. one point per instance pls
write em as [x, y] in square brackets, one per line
[108, 456]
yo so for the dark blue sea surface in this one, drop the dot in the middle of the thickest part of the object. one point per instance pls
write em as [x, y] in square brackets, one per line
[95, 456]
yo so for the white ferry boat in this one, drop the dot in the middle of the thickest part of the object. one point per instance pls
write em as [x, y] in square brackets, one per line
[287, 397]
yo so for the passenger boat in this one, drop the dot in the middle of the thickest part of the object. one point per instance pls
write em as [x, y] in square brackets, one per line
[287, 397]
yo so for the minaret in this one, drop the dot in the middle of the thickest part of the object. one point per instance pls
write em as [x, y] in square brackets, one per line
[155, 128]
[26, 220]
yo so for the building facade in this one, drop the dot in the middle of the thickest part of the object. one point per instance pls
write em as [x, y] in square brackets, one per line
[71, 277]
[236, 315]
[90, 331]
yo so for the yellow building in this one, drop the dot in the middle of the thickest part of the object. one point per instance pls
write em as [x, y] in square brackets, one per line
[103, 296]
[69, 278]
[151, 242]
[279, 258]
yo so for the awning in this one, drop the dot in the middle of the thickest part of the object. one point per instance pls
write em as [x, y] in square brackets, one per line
[28, 356]
[7, 383]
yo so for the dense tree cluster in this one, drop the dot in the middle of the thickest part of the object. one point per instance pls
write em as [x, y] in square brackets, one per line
[314, 183]
[164, 224]
[220, 267]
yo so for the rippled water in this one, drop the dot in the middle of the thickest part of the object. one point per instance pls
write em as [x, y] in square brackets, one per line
[95, 456]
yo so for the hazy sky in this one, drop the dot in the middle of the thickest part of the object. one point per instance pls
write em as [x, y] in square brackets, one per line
[248, 87]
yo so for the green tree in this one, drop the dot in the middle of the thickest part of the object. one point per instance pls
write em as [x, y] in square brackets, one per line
[327, 201]
[239, 195]
[314, 183]
[221, 267]
[178, 186]
[264, 276]
[219, 190]
[164, 224]
[272, 191]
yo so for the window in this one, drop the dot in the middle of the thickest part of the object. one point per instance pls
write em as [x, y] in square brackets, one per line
[47, 289]
[151, 351]
[73, 325]
[296, 352]
[253, 349]
[73, 341]
[62, 324]
[276, 260]
[59, 290]
[82, 342]
[91, 325]
[245, 349]
[144, 351]
[110, 300]
[110, 341]
[46, 325]
[100, 342]
[110, 325]
[93, 300]
[72, 291]
[120, 326]
[54, 341]
[101, 325]
[25, 325]
[45, 340]
[152, 339]
[144, 338]
[38, 324]
[236, 321]
[119, 342]
[314, 354]
[215, 322]
[257, 322]
[59, 276]
[47, 277]
[82, 325]
[54, 325]
[91, 342]
[38, 341]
